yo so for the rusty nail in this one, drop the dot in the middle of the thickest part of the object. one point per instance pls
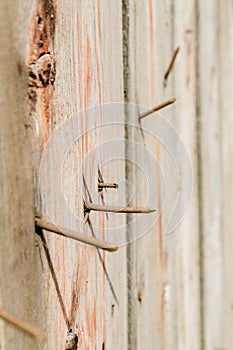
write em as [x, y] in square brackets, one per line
[102, 185]
[22, 324]
[140, 296]
[111, 209]
[171, 64]
[157, 108]
[75, 235]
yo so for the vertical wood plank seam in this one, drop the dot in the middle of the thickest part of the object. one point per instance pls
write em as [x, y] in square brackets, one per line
[174, 117]
[131, 310]
[200, 179]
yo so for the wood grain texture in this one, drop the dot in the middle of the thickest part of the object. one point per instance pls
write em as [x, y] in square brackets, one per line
[164, 271]
[215, 120]
[85, 288]
[188, 240]
[75, 77]
[20, 283]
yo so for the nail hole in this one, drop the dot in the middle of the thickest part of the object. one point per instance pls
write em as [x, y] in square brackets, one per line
[39, 21]
[32, 75]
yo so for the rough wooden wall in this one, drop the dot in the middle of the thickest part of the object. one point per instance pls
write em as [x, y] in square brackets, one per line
[165, 268]
[85, 289]
[67, 68]
[21, 286]
[215, 115]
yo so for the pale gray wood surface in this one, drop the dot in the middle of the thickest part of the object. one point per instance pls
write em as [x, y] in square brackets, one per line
[165, 268]
[87, 49]
[21, 286]
[215, 120]
[161, 291]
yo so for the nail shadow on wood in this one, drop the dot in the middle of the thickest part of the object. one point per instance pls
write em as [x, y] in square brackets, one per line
[88, 221]
[142, 132]
[74, 298]
[103, 265]
[87, 195]
[87, 191]
[101, 179]
[39, 231]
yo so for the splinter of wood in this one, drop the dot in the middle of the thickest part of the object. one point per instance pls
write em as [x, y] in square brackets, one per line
[76, 236]
[157, 108]
[171, 64]
[22, 324]
[102, 185]
[111, 209]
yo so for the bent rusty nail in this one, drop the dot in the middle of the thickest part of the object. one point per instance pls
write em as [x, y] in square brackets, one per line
[111, 209]
[157, 108]
[20, 323]
[80, 237]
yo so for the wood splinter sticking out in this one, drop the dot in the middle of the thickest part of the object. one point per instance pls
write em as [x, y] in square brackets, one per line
[71, 341]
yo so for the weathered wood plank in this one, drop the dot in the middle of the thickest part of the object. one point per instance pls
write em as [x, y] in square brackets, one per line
[188, 242]
[148, 294]
[21, 286]
[90, 294]
[164, 270]
[215, 119]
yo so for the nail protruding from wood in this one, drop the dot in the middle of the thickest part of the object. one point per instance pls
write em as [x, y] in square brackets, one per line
[112, 209]
[140, 296]
[171, 64]
[102, 185]
[21, 324]
[80, 237]
[157, 108]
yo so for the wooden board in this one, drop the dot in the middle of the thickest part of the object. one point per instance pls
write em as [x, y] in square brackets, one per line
[215, 119]
[75, 77]
[164, 270]
[21, 288]
[86, 291]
